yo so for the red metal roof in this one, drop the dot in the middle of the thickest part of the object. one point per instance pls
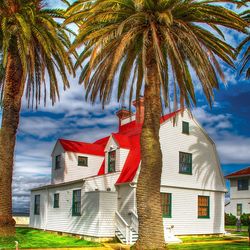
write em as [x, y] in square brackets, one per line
[122, 140]
[82, 147]
[242, 172]
[127, 137]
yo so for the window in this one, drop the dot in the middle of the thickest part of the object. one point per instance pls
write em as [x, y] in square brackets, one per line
[111, 161]
[243, 184]
[166, 204]
[58, 162]
[203, 206]
[37, 204]
[76, 205]
[185, 163]
[185, 128]
[82, 161]
[56, 200]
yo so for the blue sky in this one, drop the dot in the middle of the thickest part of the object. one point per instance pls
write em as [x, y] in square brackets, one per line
[73, 118]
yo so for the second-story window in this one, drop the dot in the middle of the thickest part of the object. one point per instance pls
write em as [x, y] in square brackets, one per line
[185, 128]
[58, 162]
[82, 161]
[243, 184]
[111, 161]
[185, 163]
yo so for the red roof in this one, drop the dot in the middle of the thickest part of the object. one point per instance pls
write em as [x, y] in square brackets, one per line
[82, 147]
[122, 140]
[127, 137]
[242, 172]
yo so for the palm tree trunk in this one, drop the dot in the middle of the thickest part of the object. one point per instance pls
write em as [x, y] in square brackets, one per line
[13, 91]
[151, 233]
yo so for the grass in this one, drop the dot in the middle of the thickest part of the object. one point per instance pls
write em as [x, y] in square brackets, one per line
[211, 246]
[192, 239]
[31, 238]
[234, 228]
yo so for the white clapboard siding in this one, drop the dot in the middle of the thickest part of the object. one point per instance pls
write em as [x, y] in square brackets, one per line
[122, 154]
[39, 221]
[232, 206]
[126, 200]
[185, 212]
[206, 171]
[70, 170]
[238, 194]
[97, 215]
[102, 182]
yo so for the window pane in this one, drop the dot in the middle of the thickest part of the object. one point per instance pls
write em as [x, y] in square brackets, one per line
[37, 205]
[185, 163]
[76, 206]
[203, 206]
[82, 161]
[58, 162]
[166, 204]
[185, 128]
[56, 200]
[111, 161]
[243, 184]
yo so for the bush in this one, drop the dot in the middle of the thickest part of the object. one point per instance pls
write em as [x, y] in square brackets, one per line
[244, 219]
[230, 220]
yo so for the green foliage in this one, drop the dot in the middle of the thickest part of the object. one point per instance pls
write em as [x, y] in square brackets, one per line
[230, 219]
[245, 47]
[36, 36]
[244, 219]
[117, 35]
[31, 238]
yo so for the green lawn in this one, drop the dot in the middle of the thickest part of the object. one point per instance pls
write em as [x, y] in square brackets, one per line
[31, 238]
[233, 228]
[227, 246]
[191, 239]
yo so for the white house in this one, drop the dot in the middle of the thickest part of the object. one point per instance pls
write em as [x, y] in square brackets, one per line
[93, 185]
[239, 192]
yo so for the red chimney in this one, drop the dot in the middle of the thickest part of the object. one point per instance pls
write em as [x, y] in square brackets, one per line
[139, 105]
[123, 114]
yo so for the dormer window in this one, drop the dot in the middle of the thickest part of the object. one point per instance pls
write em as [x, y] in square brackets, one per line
[58, 162]
[82, 161]
[111, 161]
[185, 128]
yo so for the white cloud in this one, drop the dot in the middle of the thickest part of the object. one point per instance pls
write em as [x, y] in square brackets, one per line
[232, 148]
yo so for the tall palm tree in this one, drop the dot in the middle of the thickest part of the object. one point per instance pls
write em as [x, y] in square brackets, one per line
[144, 42]
[245, 46]
[34, 47]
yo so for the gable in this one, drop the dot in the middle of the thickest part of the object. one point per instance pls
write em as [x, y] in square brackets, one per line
[206, 172]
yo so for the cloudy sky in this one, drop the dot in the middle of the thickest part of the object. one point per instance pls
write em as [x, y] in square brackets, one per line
[72, 118]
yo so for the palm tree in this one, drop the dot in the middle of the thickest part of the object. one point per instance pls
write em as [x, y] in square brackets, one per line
[144, 42]
[245, 46]
[33, 44]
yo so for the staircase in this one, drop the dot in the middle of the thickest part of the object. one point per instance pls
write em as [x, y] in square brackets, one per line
[122, 239]
[127, 234]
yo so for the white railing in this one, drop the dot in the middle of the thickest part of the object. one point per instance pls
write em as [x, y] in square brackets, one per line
[134, 221]
[123, 227]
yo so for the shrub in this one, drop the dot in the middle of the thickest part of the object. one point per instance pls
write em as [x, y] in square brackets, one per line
[244, 219]
[230, 220]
